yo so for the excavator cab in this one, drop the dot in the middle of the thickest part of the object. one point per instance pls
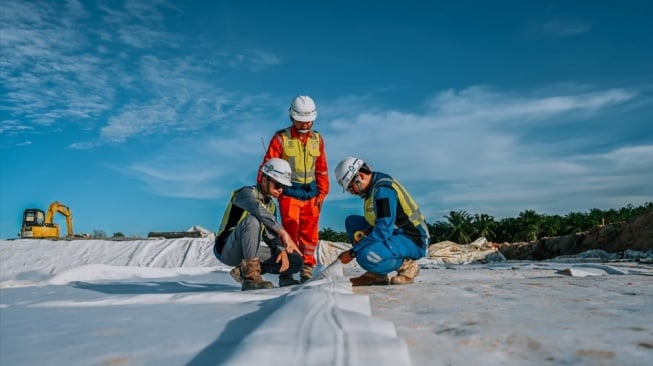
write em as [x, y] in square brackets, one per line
[34, 225]
[39, 224]
[33, 216]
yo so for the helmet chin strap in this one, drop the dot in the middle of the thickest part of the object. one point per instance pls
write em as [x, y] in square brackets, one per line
[359, 184]
[297, 129]
[265, 186]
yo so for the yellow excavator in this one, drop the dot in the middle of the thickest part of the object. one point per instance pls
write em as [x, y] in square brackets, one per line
[38, 224]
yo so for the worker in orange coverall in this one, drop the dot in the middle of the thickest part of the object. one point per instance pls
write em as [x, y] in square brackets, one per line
[301, 203]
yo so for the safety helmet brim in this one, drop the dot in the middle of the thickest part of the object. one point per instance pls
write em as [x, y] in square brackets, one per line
[346, 171]
[279, 170]
[303, 109]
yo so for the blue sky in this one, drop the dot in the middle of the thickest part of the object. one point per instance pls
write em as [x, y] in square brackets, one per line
[144, 115]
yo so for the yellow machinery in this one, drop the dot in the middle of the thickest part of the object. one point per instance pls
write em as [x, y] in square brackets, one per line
[38, 224]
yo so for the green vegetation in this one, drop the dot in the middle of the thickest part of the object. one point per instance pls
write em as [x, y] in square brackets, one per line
[462, 227]
[332, 235]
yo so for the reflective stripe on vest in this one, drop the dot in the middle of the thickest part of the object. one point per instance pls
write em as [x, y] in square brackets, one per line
[409, 218]
[301, 158]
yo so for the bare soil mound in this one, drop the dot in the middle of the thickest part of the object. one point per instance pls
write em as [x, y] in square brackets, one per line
[613, 238]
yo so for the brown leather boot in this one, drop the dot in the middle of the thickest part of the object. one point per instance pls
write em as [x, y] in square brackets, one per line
[306, 273]
[252, 280]
[406, 273]
[237, 274]
[370, 279]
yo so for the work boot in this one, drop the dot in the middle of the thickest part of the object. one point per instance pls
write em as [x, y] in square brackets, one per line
[406, 273]
[306, 273]
[237, 274]
[252, 279]
[287, 280]
[370, 279]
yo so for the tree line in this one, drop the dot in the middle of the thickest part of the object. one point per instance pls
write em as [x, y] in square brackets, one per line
[463, 227]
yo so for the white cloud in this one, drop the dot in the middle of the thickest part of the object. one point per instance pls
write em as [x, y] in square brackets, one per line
[253, 60]
[140, 120]
[84, 145]
[475, 103]
[468, 149]
[61, 73]
[481, 141]
[12, 127]
[562, 27]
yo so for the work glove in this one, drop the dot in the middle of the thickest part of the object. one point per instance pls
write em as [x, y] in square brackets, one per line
[358, 236]
[346, 256]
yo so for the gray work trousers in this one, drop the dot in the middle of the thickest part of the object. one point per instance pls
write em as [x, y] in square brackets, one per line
[244, 242]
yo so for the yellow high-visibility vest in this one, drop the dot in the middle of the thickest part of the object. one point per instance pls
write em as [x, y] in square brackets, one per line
[409, 217]
[301, 157]
[233, 215]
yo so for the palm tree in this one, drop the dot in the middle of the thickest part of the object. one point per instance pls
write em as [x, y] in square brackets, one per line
[596, 217]
[332, 235]
[625, 213]
[530, 224]
[439, 231]
[576, 222]
[484, 226]
[551, 225]
[611, 216]
[461, 226]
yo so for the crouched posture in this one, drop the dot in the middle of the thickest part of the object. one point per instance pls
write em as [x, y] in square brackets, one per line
[249, 218]
[391, 235]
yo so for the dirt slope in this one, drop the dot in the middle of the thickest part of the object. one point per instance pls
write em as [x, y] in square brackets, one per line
[634, 235]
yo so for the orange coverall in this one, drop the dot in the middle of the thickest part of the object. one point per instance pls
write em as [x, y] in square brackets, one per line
[300, 213]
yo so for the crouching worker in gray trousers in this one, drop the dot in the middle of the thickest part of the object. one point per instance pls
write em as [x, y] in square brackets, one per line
[251, 216]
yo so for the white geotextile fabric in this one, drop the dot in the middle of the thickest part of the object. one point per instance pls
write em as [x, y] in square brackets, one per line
[322, 323]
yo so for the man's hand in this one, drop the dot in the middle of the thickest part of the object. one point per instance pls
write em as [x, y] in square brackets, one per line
[288, 243]
[318, 204]
[283, 258]
[346, 256]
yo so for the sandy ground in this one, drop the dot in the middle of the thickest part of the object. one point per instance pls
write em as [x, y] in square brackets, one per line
[521, 313]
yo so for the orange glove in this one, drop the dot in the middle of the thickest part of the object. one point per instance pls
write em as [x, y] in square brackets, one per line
[346, 256]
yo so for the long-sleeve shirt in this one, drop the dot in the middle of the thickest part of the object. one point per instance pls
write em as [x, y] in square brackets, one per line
[251, 200]
[275, 150]
[389, 217]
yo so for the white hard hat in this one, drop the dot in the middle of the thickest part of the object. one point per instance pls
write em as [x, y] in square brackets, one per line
[278, 169]
[347, 169]
[303, 109]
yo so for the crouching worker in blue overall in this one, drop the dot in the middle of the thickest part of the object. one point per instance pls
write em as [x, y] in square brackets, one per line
[251, 216]
[391, 235]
